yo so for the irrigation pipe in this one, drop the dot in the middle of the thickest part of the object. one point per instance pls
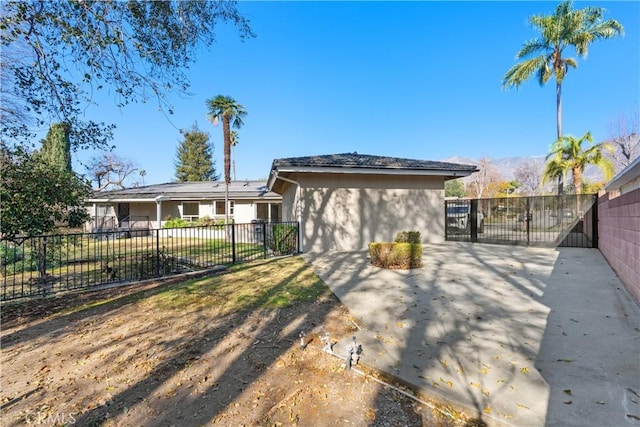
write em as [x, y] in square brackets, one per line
[391, 386]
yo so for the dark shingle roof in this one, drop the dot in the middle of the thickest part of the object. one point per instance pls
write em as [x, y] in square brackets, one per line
[355, 160]
[191, 190]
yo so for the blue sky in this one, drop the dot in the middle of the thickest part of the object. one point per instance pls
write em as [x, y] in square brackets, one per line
[406, 79]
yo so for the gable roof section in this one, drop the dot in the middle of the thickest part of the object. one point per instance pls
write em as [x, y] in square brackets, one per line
[203, 190]
[367, 164]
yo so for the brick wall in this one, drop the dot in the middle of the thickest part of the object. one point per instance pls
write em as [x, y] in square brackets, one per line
[619, 236]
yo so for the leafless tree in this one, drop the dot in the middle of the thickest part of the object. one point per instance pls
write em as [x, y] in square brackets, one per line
[484, 182]
[528, 174]
[625, 138]
[110, 171]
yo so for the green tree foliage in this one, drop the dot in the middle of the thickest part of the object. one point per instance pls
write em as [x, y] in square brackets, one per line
[57, 54]
[544, 54]
[454, 188]
[194, 157]
[507, 188]
[568, 155]
[37, 198]
[56, 147]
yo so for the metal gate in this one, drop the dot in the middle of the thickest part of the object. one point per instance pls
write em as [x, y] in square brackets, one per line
[552, 221]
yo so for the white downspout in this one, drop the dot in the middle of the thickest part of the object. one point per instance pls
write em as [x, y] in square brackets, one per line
[297, 207]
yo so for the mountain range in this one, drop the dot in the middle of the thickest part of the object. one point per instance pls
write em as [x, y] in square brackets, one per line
[506, 166]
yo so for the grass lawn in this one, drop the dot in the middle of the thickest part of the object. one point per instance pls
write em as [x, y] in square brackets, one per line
[222, 349]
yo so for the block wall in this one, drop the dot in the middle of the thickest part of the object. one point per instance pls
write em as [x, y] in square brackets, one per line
[619, 236]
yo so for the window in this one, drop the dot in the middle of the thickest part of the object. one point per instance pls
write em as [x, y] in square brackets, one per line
[219, 209]
[269, 212]
[262, 212]
[190, 211]
[276, 212]
[101, 210]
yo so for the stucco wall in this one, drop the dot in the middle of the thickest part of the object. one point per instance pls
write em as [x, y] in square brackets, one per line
[289, 203]
[345, 212]
[619, 236]
[243, 212]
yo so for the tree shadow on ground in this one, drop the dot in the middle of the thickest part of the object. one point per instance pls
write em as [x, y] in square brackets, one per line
[457, 328]
[192, 363]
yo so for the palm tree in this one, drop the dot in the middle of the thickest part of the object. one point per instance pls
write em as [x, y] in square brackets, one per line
[568, 155]
[565, 28]
[231, 113]
[233, 142]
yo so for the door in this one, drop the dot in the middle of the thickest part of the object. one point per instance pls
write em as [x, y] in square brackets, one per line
[123, 214]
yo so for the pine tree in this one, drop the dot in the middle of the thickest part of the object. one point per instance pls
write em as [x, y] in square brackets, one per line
[56, 147]
[194, 157]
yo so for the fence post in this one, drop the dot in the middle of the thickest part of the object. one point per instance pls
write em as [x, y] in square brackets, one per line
[233, 243]
[594, 222]
[264, 239]
[157, 252]
[43, 268]
[528, 217]
[474, 220]
[446, 222]
[298, 237]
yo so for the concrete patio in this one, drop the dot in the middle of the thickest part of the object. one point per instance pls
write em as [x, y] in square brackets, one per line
[512, 335]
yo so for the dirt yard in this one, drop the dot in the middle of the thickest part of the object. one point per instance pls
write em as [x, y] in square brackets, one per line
[217, 350]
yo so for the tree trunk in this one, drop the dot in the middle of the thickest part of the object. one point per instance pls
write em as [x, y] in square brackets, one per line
[577, 179]
[559, 110]
[227, 162]
[559, 127]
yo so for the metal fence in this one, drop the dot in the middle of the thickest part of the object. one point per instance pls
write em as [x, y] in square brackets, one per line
[568, 220]
[44, 265]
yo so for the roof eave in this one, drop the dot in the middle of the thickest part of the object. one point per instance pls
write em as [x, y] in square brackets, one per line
[180, 198]
[628, 174]
[458, 173]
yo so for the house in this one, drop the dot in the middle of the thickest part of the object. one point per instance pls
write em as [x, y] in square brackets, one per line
[345, 201]
[152, 205]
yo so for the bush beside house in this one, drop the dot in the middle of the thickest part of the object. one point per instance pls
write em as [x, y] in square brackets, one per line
[403, 254]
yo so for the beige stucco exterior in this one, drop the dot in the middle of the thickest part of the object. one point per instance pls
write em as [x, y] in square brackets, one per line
[345, 212]
[145, 213]
[243, 210]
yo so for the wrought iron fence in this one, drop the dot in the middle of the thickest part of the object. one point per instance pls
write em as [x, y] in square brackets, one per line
[568, 220]
[44, 265]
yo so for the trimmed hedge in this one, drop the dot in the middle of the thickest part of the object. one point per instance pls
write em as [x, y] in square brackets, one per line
[408, 237]
[402, 256]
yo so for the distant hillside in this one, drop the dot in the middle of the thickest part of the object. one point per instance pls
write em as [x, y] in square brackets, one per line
[506, 166]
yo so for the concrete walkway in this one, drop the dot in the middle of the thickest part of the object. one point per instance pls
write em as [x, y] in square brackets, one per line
[512, 335]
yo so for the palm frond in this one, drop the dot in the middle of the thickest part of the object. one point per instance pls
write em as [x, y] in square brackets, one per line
[553, 169]
[520, 72]
[533, 46]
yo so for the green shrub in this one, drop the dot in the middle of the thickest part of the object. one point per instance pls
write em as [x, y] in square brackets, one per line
[9, 254]
[176, 223]
[284, 239]
[408, 237]
[395, 255]
[206, 221]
